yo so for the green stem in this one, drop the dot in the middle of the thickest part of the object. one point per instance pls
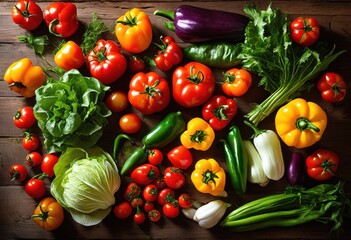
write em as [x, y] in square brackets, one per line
[167, 14]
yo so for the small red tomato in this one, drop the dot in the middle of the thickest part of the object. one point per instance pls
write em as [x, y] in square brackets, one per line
[180, 157]
[24, 118]
[139, 217]
[30, 141]
[145, 174]
[47, 166]
[136, 64]
[148, 206]
[160, 183]
[304, 31]
[322, 164]
[170, 210]
[117, 101]
[185, 200]
[34, 159]
[165, 195]
[137, 202]
[123, 210]
[35, 188]
[332, 87]
[155, 156]
[154, 215]
[174, 177]
[150, 193]
[18, 172]
[132, 191]
[130, 123]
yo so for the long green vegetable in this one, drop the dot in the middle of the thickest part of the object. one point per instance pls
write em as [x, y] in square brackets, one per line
[327, 203]
[285, 68]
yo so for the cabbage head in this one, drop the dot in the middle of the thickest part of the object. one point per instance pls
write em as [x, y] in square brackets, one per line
[71, 111]
[85, 183]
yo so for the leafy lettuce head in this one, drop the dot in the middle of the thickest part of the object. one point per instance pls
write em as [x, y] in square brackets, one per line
[85, 183]
[71, 111]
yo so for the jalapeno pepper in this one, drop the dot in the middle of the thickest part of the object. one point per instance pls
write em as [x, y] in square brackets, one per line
[236, 159]
[138, 157]
[165, 131]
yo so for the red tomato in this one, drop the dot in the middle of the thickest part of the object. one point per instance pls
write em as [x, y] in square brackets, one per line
[170, 210]
[150, 193]
[130, 123]
[160, 183]
[137, 202]
[145, 174]
[123, 210]
[148, 206]
[192, 84]
[236, 82]
[34, 159]
[174, 177]
[332, 87]
[154, 215]
[27, 14]
[139, 217]
[106, 62]
[133, 190]
[30, 141]
[185, 200]
[136, 64]
[165, 195]
[35, 188]
[48, 164]
[117, 101]
[180, 157]
[148, 92]
[304, 31]
[18, 172]
[322, 164]
[155, 156]
[24, 118]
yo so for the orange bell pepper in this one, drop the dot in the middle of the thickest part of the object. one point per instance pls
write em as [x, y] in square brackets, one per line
[70, 56]
[134, 31]
[24, 78]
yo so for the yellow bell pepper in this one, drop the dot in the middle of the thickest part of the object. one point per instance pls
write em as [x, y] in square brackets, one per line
[24, 78]
[199, 135]
[209, 177]
[300, 123]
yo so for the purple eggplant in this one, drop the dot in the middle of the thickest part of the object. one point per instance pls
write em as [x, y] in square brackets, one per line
[195, 24]
[296, 171]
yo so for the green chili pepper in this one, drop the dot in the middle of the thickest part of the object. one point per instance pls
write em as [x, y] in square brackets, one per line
[220, 55]
[138, 157]
[118, 144]
[236, 159]
[165, 131]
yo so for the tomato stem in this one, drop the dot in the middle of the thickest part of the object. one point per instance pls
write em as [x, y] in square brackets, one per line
[43, 215]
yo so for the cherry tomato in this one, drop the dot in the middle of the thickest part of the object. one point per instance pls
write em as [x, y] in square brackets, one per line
[132, 191]
[332, 87]
[48, 214]
[322, 164]
[145, 174]
[180, 157]
[150, 193]
[117, 101]
[35, 188]
[24, 118]
[174, 177]
[130, 123]
[139, 217]
[165, 195]
[154, 215]
[34, 159]
[123, 210]
[30, 141]
[136, 64]
[160, 183]
[155, 156]
[185, 200]
[304, 31]
[18, 172]
[47, 166]
[148, 206]
[170, 210]
[137, 202]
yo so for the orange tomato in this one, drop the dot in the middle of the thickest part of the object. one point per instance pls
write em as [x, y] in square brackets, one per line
[134, 31]
[48, 214]
[236, 82]
[117, 101]
[130, 123]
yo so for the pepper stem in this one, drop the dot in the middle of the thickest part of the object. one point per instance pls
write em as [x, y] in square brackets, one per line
[303, 124]
[198, 136]
[256, 130]
[52, 26]
[209, 176]
[166, 14]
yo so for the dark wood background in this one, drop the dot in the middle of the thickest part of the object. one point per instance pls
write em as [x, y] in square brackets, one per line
[16, 207]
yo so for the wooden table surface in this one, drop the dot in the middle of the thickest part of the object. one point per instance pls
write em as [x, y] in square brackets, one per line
[16, 207]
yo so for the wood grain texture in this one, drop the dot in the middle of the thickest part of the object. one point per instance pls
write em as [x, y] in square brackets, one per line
[16, 207]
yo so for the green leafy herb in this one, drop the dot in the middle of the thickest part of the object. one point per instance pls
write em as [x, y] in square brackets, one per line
[70, 111]
[36, 43]
[285, 68]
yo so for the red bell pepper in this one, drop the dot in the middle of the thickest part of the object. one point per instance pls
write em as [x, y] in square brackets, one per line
[61, 18]
[106, 62]
[219, 111]
[169, 55]
[322, 164]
